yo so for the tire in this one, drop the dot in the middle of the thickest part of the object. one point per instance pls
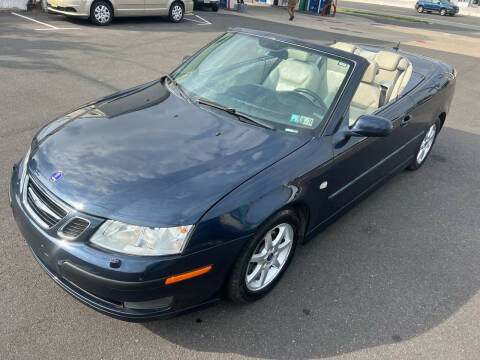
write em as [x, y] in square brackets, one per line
[101, 13]
[215, 8]
[176, 12]
[240, 290]
[443, 12]
[420, 9]
[425, 146]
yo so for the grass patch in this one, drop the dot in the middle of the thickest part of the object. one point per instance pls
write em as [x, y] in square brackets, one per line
[393, 17]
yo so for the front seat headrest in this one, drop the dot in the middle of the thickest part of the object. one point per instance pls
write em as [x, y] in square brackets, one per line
[344, 46]
[387, 60]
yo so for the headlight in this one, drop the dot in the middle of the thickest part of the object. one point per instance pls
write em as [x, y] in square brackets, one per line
[22, 168]
[139, 240]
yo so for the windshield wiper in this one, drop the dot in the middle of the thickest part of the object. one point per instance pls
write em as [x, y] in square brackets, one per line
[178, 86]
[241, 116]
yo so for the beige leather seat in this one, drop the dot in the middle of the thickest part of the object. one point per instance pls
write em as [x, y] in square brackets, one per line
[367, 96]
[369, 55]
[294, 72]
[347, 47]
[388, 71]
[406, 69]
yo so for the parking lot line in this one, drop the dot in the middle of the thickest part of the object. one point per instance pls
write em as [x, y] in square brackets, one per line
[39, 22]
[57, 29]
[202, 22]
[49, 27]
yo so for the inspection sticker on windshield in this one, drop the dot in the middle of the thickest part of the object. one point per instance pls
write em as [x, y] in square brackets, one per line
[302, 120]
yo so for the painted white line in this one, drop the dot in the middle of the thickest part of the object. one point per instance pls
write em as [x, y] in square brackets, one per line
[206, 22]
[202, 22]
[39, 22]
[57, 29]
[199, 22]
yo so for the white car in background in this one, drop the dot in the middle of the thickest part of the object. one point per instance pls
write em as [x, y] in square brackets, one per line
[101, 12]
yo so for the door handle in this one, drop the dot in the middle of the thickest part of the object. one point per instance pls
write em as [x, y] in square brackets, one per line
[406, 120]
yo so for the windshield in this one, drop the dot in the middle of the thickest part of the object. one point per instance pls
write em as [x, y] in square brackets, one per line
[291, 87]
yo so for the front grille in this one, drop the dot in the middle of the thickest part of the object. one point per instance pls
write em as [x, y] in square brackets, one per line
[74, 227]
[47, 212]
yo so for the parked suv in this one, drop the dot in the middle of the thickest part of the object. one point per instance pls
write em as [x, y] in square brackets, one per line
[101, 12]
[443, 7]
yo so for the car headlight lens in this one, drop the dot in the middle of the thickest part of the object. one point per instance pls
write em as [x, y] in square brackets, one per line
[22, 168]
[139, 240]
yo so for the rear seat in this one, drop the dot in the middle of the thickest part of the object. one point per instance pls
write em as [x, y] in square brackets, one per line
[367, 97]
[388, 71]
[403, 79]
[394, 71]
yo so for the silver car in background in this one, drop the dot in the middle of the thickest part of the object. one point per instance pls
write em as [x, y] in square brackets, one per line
[101, 12]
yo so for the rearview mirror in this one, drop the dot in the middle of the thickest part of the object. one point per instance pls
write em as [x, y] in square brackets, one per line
[185, 58]
[371, 125]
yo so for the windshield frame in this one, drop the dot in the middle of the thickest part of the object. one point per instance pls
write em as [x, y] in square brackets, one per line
[351, 59]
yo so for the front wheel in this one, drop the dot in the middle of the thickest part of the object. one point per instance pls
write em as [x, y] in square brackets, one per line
[265, 258]
[443, 12]
[101, 13]
[215, 8]
[420, 9]
[425, 147]
[176, 12]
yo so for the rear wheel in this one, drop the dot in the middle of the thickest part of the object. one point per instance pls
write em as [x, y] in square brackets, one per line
[426, 146]
[443, 12]
[265, 258]
[420, 9]
[215, 8]
[101, 13]
[176, 12]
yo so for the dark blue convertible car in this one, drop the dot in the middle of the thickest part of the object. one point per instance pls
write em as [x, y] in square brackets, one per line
[163, 197]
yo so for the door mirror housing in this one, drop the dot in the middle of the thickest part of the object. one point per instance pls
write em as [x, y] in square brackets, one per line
[185, 58]
[371, 126]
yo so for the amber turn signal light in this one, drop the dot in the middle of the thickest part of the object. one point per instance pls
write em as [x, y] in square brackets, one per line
[188, 275]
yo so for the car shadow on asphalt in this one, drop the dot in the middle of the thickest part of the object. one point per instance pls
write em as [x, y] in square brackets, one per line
[398, 264]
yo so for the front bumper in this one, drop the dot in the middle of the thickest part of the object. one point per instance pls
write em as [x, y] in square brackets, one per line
[136, 290]
[75, 8]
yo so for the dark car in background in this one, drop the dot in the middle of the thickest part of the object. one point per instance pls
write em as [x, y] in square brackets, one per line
[443, 7]
[209, 4]
[164, 197]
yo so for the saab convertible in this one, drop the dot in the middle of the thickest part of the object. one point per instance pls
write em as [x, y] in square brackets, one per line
[166, 196]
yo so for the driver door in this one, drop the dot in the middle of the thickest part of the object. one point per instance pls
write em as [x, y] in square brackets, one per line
[362, 162]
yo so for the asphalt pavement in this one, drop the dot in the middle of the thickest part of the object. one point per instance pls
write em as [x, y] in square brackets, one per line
[397, 277]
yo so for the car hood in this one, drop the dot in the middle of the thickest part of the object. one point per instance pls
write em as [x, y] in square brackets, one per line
[147, 157]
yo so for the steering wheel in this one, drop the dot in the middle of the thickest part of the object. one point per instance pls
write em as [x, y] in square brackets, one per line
[315, 98]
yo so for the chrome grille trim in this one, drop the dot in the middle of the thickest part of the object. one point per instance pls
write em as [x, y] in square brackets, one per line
[40, 206]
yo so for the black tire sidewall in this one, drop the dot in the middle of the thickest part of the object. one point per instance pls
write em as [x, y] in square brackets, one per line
[215, 8]
[92, 16]
[414, 165]
[237, 289]
[170, 17]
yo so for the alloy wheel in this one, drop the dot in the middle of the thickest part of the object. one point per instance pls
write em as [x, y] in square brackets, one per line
[269, 257]
[177, 12]
[427, 143]
[102, 14]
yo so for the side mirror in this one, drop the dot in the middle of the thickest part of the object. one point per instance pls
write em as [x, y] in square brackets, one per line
[371, 126]
[185, 58]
